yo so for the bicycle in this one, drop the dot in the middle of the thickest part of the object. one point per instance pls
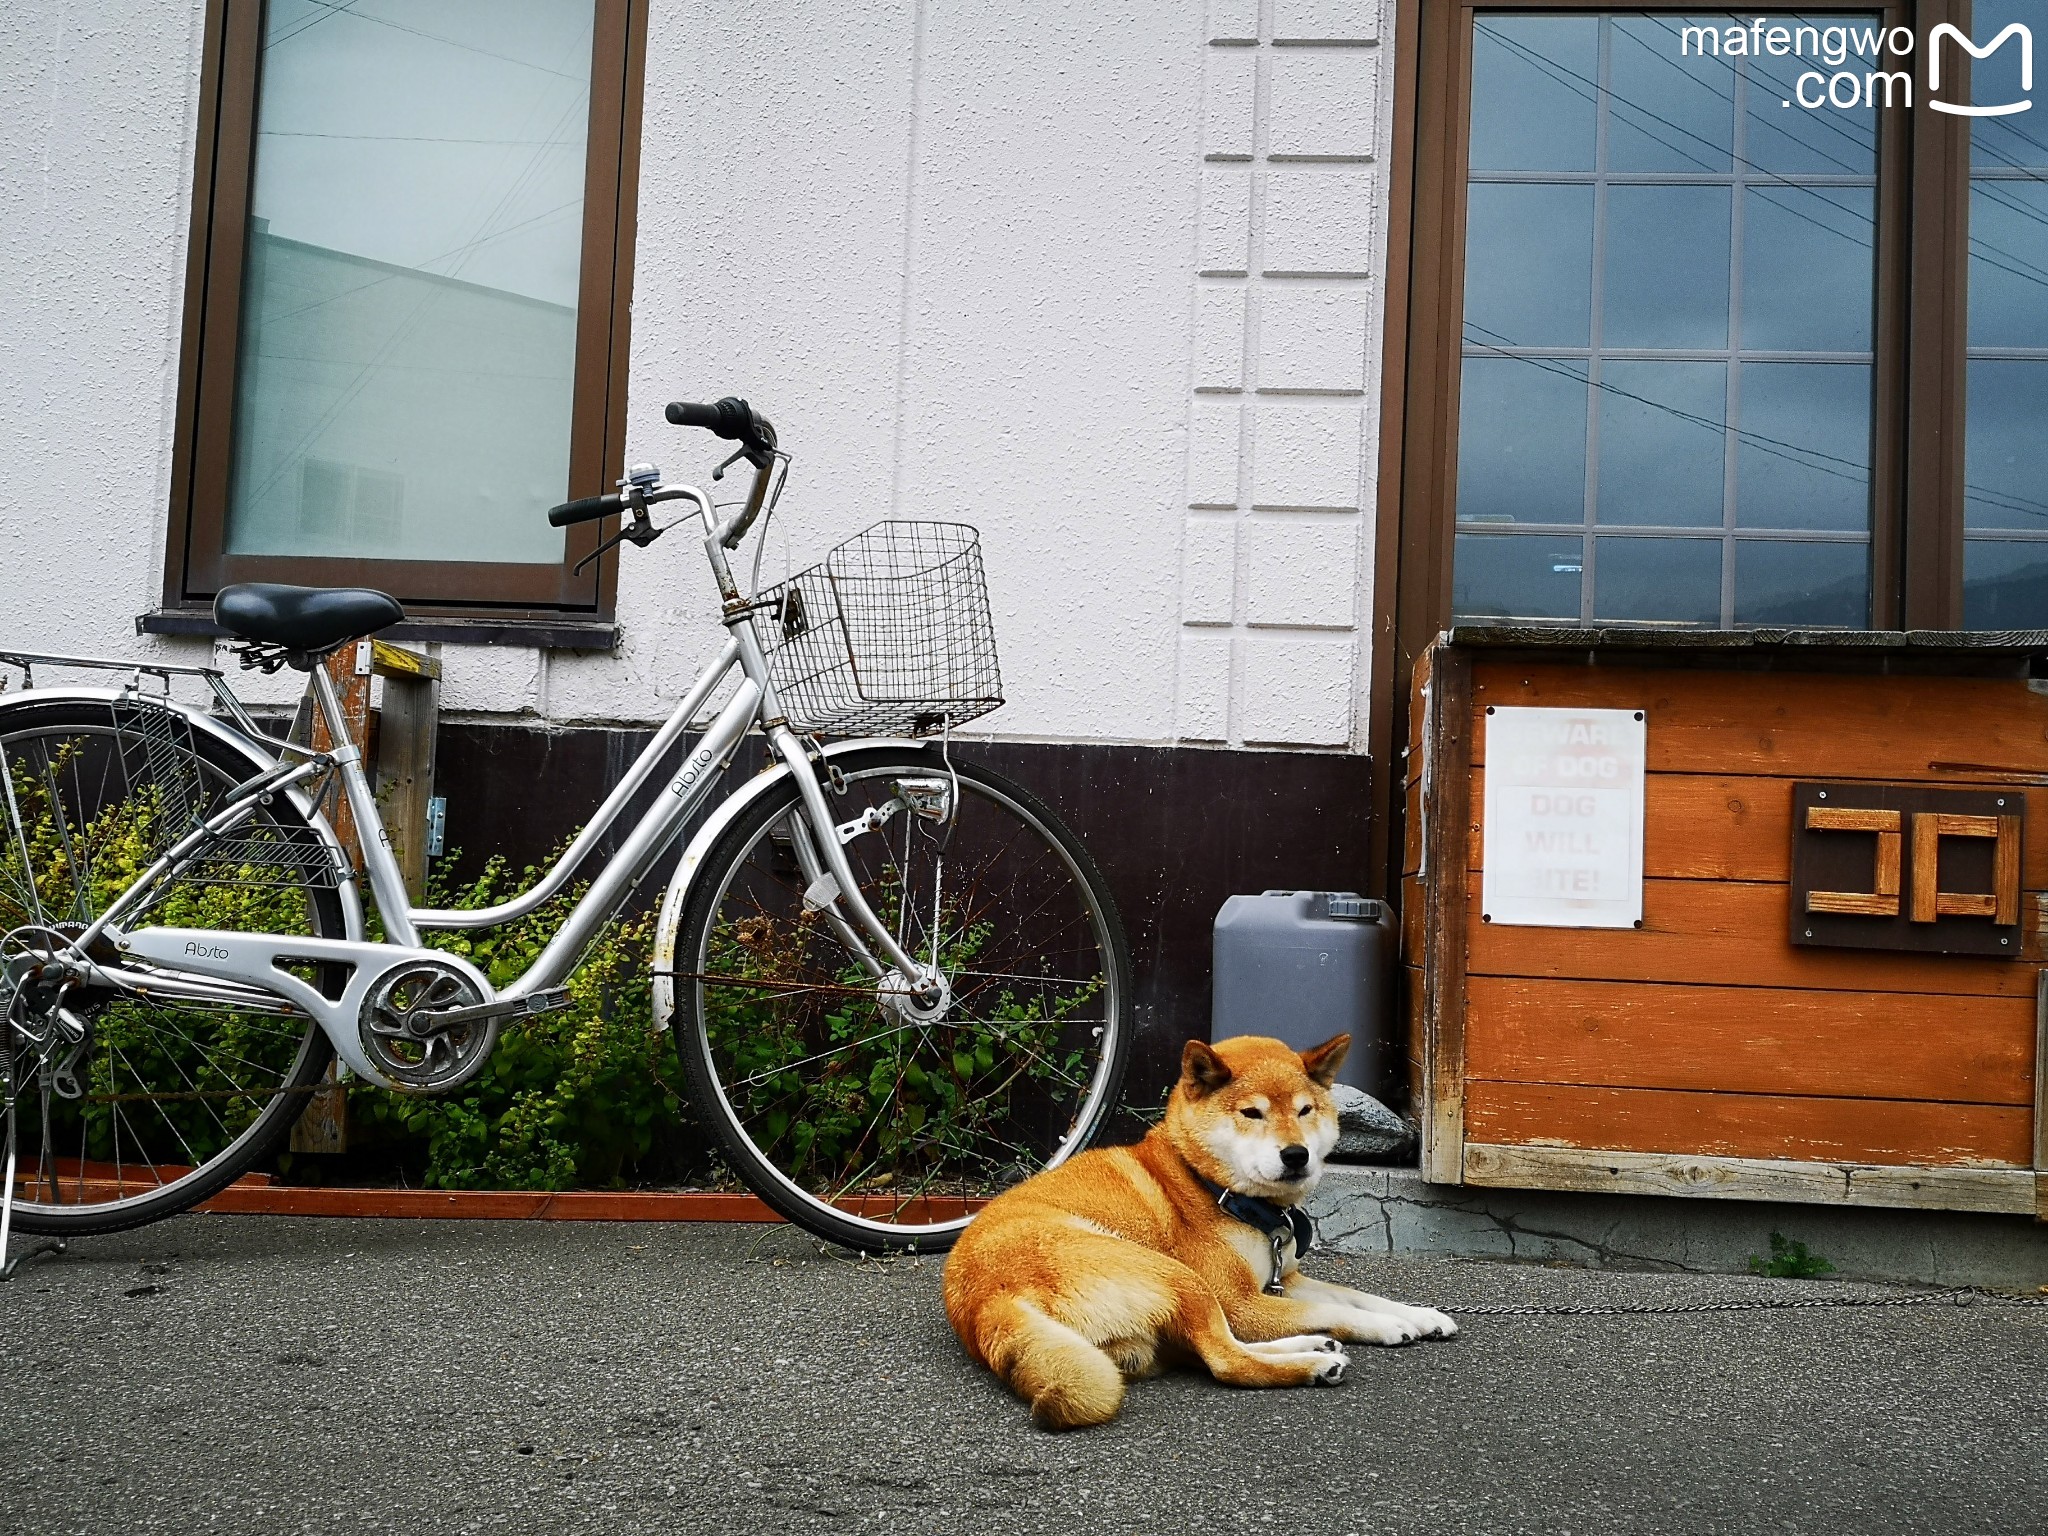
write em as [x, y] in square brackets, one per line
[898, 983]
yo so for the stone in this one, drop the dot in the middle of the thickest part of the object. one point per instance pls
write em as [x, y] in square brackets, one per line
[1368, 1131]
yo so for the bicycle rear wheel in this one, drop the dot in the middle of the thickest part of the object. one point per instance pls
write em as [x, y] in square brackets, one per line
[159, 1102]
[856, 1119]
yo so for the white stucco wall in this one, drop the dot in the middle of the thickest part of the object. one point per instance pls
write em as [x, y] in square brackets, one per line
[1101, 279]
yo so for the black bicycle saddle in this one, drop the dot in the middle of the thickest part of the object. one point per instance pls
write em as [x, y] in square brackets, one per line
[304, 619]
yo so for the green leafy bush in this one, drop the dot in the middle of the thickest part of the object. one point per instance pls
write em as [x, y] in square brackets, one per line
[893, 1103]
[1789, 1260]
[583, 1097]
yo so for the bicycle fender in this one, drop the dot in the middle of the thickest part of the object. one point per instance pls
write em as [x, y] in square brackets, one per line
[203, 723]
[684, 880]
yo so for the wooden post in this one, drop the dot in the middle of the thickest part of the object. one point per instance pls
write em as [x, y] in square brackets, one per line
[348, 669]
[2041, 1096]
[399, 755]
[405, 754]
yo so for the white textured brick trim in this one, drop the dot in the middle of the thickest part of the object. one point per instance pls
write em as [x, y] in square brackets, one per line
[1202, 709]
[1325, 104]
[1233, 21]
[1226, 222]
[1296, 690]
[1326, 21]
[1301, 570]
[1214, 462]
[1229, 88]
[1219, 338]
[1208, 571]
[1305, 455]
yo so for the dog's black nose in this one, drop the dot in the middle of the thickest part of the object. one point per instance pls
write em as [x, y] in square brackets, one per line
[1295, 1157]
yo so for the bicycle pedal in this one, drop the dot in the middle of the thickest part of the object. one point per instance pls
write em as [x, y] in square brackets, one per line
[544, 1000]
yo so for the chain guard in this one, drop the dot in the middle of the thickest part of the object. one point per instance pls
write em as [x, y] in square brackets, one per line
[402, 1039]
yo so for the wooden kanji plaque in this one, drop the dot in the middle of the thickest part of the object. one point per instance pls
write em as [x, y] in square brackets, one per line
[1906, 868]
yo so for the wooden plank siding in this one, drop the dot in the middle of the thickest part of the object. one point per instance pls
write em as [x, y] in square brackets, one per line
[1703, 1053]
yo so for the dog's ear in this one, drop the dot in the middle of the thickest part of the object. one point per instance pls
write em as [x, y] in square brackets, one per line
[1202, 1069]
[1321, 1062]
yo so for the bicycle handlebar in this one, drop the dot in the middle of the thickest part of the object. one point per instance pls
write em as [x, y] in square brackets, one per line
[732, 419]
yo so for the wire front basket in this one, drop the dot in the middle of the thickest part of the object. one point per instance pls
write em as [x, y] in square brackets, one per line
[889, 636]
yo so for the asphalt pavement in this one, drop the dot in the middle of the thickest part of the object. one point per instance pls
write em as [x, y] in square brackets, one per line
[246, 1374]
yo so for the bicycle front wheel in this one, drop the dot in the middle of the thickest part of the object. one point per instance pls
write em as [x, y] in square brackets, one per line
[127, 1107]
[871, 1123]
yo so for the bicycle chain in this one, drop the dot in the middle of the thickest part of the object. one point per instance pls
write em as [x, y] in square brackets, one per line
[1959, 1296]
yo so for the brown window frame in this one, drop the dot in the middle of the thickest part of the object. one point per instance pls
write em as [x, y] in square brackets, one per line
[196, 562]
[1919, 343]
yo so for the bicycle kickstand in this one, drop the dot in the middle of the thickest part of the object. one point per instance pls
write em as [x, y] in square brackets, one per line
[9, 1266]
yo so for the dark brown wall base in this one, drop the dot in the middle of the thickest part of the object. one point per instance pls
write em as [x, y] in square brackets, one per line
[1176, 830]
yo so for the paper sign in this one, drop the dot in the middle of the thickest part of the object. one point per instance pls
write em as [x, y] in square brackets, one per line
[1564, 818]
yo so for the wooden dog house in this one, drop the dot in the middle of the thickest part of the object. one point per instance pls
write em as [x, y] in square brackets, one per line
[1832, 993]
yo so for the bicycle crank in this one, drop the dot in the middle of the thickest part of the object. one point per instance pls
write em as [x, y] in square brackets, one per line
[402, 1036]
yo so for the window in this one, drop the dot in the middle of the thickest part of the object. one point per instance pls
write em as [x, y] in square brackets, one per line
[2005, 496]
[1666, 360]
[406, 320]
[1719, 320]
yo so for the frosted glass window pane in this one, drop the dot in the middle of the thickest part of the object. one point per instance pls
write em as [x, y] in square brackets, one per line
[409, 294]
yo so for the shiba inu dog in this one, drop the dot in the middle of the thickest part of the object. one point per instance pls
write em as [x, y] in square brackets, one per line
[1185, 1245]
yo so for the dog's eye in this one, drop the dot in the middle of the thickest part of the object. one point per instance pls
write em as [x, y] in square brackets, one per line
[1252, 1114]
[1306, 1109]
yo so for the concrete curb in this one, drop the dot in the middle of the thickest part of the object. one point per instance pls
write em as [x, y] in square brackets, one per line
[1391, 1210]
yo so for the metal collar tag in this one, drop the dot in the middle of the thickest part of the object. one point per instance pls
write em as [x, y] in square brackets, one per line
[1281, 1224]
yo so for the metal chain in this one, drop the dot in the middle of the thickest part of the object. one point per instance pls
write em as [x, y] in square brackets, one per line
[1959, 1296]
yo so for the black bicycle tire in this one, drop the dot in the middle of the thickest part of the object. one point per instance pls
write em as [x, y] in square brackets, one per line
[275, 1121]
[692, 1045]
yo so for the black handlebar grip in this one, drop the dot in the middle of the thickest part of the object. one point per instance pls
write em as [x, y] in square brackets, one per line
[585, 510]
[688, 413]
[732, 419]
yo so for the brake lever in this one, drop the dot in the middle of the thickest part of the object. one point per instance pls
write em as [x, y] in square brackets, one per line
[640, 532]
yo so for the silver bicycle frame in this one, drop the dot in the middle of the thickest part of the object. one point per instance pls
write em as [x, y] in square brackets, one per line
[752, 702]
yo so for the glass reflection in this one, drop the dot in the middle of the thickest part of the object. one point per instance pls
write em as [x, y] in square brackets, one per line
[2005, 452]
[1659, 581]
[1674, 108]
[1529, 264]
[1807, 586]
[1665, 277]
[1803, 460]
[1729, 237]
[2005, 456]
[1522, 442]
[1532, 108]
[1508, 578]
[1808, 282]
[1663, 448]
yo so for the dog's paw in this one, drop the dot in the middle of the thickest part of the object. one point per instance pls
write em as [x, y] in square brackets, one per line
[1331, 1372]
[1434, 1324]
[1330, 1346]
[1381, 1328]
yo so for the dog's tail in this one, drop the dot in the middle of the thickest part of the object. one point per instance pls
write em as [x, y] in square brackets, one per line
[1069, 1383]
